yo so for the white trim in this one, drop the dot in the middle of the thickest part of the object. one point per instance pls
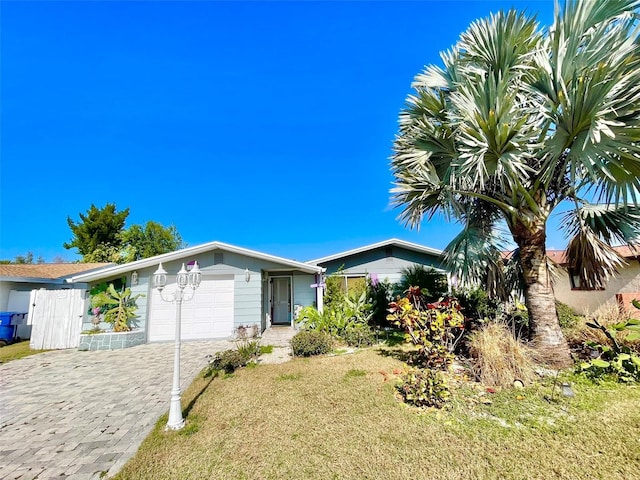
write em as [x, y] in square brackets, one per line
[56, 281]
[394, 241]
[179, 254]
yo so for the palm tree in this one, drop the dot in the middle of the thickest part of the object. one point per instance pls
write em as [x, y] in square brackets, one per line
[518, 122]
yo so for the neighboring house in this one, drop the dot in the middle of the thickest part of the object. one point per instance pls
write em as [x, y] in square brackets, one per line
[620, 289]
[382, 260]
[239, 287]
[18, 280]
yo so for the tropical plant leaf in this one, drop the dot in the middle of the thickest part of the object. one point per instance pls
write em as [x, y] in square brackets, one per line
[597, 362]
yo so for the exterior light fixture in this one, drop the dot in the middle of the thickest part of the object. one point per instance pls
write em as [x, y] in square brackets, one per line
[160, 278]
[134, 278]
[184, 279]
[247, 275]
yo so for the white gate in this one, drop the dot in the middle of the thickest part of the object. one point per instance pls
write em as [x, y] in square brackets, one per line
[56, 318]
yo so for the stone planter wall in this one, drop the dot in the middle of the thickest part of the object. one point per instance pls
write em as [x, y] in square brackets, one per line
[111, 340]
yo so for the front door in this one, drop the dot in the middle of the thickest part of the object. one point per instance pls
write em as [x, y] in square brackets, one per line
[281, 301]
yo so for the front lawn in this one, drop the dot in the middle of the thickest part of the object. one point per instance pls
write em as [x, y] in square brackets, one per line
[337, 417]
[17, 350]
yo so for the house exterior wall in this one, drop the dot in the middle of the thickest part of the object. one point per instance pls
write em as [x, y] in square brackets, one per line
[303, 294]
[588, 301]
[250, 297]
[376, 261]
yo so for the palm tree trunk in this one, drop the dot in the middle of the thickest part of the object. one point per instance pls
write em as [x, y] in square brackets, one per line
[548, 340]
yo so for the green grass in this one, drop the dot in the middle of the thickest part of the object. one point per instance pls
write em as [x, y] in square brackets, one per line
[338, 417]
[17, 350]
[264, 349]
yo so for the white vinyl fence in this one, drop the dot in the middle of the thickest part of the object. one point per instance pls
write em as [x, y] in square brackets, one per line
[56, 318]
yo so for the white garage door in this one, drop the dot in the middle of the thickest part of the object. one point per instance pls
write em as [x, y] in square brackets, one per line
[208, 315]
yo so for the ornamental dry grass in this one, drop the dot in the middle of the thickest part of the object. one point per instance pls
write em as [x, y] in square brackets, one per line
[500, 359]
[338, 418]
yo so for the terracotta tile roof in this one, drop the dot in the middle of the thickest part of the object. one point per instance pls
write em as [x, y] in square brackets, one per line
[560, 256]
[628, 252]
[47, 270]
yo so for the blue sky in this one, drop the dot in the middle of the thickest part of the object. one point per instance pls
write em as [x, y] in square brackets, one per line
[268, 125]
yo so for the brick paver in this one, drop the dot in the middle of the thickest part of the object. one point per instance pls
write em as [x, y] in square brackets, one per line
[73, 415]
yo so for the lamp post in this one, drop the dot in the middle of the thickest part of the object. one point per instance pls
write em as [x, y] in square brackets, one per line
[184, 278]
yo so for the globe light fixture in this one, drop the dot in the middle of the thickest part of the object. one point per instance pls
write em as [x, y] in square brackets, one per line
[184, 279]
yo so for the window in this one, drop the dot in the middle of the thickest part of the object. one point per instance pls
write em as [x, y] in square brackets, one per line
[349, 283]
[355, 284]
[577, 283]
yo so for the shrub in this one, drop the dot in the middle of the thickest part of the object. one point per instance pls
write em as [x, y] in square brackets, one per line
[227, 361]
[359, 336]
[380, 296]
[350, 312]
[432, 284]
[476, 304]
[581, 336]
[308, 343]
[423, 388]
[433, 327]
[567, 317]
[499, 358]
[615, 358]
[334, 289]
[249, 350]
[331, 320]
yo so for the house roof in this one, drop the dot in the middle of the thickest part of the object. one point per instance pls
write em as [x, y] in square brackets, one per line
[45, 271]
[187, 252]
[386, 243]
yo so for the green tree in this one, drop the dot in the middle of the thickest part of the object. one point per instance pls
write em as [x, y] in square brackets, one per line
[98, 232]
[150, 240]
[23, 259]
[518, 122]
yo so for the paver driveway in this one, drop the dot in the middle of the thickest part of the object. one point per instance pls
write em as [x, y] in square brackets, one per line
[74, 415]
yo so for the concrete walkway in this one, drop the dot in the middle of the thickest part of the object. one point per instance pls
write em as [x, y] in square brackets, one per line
[279, 338]
[80, 415]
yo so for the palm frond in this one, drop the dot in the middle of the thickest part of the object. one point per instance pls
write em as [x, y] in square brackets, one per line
[610, 223]
[474, 255]
[594, 261]
[501, 44]
[467, 129]
[513, 275]
[589, 80]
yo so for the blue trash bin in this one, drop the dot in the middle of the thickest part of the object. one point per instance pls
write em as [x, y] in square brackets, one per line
[5, 318]
[7, 332]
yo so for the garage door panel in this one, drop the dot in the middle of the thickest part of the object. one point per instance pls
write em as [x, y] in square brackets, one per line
[208, 315]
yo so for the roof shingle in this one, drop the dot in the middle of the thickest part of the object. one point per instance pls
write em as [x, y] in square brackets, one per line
[47, 270]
